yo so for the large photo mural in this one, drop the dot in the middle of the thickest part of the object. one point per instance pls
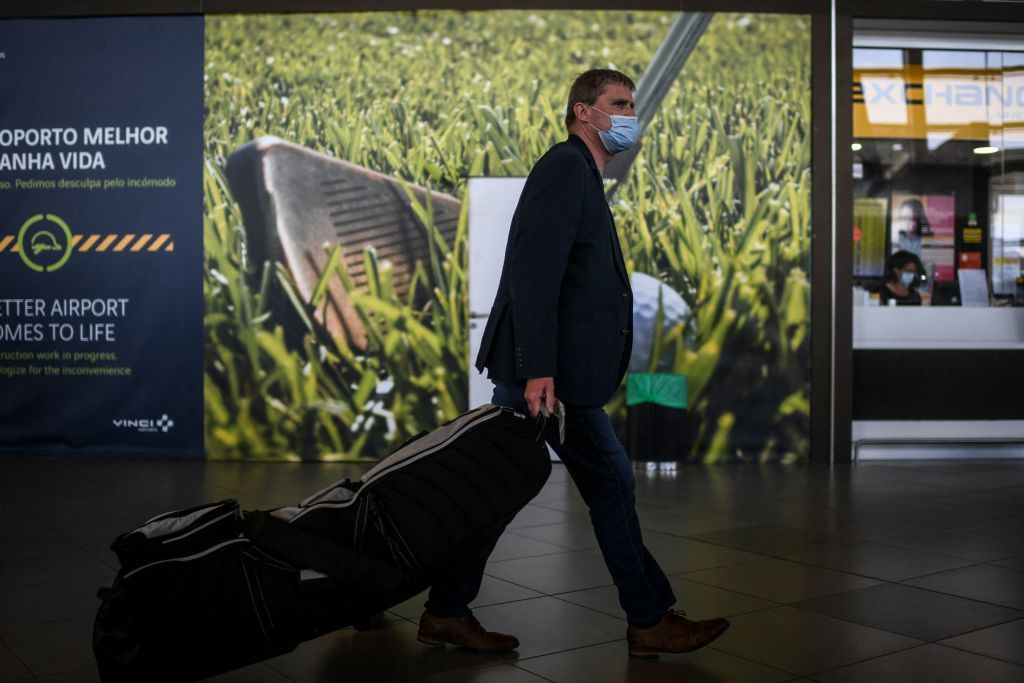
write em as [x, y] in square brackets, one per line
[337, 158]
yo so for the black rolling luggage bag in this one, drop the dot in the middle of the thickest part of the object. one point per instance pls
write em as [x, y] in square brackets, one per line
[209, 589]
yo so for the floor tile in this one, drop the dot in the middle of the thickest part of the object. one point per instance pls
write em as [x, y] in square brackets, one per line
[413, 607]
[96, 533]
[492, 592]
[980, 506]
[780, 580]
[48, 560]
[534, 515]
[547, 625]
[560, 475]
[563, 501]
[93, 676]
[1006, 527]
[961, 545]
[575, 534]
[805, 643]
[551, 574]
[391, 653]
[670, 521]
[984, 582]
[900, 510]
[51, 601]
[254, 673]
[770, 539]
[502, 673]
[925, 525]
[556, 491]
[512, 546]
[676, 555]
[1012, 562]
[909, 611]
[53, 646]
[1005, 641]
[869, 527]
[699, 600]
[12, 668]
[877, 561]
[17, 535]
[611, 662]
[932, 663]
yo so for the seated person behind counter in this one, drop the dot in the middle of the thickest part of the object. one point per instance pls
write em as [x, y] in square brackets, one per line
[903, 272]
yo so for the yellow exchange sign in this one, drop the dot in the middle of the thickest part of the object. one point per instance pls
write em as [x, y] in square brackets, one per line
[962, 104]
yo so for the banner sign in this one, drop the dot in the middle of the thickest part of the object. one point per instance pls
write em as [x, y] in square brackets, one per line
[870, 216]
[101, 134]
[923, 225]
[939, 104]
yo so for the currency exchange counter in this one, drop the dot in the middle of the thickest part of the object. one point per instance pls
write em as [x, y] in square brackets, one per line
[934, 382]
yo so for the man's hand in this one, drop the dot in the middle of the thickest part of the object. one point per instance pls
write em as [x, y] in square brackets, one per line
[540, 389]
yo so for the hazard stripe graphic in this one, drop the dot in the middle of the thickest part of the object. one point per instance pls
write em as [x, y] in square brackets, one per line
[128, 243]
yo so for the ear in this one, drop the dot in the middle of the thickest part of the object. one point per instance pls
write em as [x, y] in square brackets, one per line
[582, 112]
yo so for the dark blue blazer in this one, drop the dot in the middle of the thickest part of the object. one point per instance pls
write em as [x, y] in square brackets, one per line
[564, 308]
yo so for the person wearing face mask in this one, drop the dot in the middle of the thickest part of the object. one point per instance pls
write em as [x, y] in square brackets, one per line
[903, 273]
[558, 339]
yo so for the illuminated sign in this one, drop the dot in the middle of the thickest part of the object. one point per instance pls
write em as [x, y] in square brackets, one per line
[962, 104]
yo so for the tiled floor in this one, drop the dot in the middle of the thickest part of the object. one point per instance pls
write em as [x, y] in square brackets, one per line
[882, 572]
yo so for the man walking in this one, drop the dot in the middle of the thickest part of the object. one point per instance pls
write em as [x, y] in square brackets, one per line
[560, 329]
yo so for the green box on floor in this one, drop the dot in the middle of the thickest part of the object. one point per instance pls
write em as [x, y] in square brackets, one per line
[655, 416]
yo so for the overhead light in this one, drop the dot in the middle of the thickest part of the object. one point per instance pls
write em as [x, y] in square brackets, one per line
[856, 147]
[986, 150]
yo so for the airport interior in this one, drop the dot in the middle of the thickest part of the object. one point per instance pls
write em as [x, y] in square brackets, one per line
[256, 253]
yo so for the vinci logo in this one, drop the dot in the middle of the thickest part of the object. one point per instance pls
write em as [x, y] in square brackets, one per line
[45, 243]
[164, 424]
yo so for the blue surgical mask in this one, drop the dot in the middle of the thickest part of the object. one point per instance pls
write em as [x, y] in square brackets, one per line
[622, 135]
[907, 278]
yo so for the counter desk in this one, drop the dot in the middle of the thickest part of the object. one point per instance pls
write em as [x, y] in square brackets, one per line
[938, 381]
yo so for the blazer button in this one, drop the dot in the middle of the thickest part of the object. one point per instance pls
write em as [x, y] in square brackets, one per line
[625, 295]
[625, 331]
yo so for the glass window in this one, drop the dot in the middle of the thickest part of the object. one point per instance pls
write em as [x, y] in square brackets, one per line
[938, 174]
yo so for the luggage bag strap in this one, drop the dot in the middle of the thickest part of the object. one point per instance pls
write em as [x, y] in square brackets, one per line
[312, 551]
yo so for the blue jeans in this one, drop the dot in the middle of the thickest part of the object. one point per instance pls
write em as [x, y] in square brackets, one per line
[598, 464]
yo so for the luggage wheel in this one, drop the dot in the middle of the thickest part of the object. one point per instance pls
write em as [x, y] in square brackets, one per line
[370, 623]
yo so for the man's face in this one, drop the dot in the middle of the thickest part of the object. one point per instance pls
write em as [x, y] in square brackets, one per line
[614, 99]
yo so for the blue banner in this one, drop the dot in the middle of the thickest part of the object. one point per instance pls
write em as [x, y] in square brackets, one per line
[101, 143]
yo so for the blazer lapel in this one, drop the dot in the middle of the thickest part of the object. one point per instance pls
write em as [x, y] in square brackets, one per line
[620, 262]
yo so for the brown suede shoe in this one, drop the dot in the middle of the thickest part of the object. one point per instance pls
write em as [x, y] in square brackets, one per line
[674, 633]
[465, 632]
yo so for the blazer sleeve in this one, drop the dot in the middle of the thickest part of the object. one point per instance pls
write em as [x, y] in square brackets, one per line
[546, 227]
